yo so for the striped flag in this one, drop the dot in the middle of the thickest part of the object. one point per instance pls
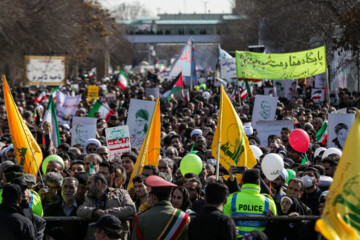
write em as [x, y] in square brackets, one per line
[104, 110]
[50, 116]
[53, 93]
[41, 97]
[122, 81]
[321, 135]
[177, 85]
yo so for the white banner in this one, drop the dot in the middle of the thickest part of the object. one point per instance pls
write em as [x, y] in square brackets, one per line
[267, 128]
[320, 81]
[45, 70]
[82, 129]
[264, 109]
[280, 86]
[228, 68]
[318, 95]
[152, 91]
[66, 107]
[290, 88]
[139, 116]
[270, 92]
[118, 140]
[338, 129]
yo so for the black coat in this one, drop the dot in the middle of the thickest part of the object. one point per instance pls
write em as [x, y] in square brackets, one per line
[13, 223]
[71, 230]
[212, 224]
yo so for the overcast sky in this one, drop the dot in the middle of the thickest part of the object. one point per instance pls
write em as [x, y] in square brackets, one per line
[176, 6]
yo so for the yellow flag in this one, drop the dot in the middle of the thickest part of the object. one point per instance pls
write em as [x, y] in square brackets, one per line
[150, 149]
[341, 216]
[27, 151]
[234, 144]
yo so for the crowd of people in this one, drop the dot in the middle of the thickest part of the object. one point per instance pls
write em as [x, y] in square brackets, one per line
[163, 203]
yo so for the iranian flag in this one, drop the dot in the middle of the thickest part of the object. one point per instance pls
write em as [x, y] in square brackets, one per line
[50, 116]
[321, 135]
[122, 81]
[53, 93]
[175, 86]
[41, 97]
[104, 110]
[316, 95]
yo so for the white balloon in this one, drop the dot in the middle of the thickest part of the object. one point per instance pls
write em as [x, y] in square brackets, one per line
[256, 151]
[318, 150]
[272, 166]
[206, 95]
[331, 150]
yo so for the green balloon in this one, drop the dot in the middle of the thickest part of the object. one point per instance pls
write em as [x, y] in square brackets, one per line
[191, 163]
[291, 174]
[202, 86]
[50, 158]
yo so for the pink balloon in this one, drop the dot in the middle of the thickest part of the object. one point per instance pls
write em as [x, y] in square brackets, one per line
[299, 140]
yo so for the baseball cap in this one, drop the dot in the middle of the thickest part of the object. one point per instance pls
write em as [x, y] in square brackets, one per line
[108, 221]
[30, 178]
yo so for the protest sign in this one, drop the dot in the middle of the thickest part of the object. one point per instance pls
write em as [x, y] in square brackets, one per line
[264, 109]
[266, 128]
[152, 91]
[270, 92]
[290, 89]
[140, 112]
[280, 86]
[228, 68]
[317, 95]
[66, 107]
[320, 81]
[280, 66]
[108, 98]
[82, 129]
[338, 129]
[45, 70]
[118, 140]
[93, 93]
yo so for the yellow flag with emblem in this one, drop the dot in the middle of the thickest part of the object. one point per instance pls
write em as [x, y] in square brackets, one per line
[27, 150]
[234, 144]
[150, 148]
[341, 216]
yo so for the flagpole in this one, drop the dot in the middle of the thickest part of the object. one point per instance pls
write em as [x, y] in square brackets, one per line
[327, 85]
[17, 112]
[218, 161]
[238, 90]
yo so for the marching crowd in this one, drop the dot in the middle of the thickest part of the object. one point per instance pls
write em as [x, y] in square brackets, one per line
[164, 204]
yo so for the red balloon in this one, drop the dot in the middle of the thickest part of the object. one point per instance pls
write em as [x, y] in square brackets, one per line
[299, 140]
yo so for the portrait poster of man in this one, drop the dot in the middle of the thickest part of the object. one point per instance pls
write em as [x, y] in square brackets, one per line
[139, 116]
[82, 129]
[264, 109]
[66, 107]
[339, 127]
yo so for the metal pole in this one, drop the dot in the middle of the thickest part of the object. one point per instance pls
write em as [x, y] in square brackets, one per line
[218, 161]
[327, 85]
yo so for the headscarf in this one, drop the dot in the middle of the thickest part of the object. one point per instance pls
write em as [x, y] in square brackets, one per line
[295, 207]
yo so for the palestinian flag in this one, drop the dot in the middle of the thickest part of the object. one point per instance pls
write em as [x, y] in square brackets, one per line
[316, 95]
[50, 116]
[175, 86]
[321, 135]
[122, 81]
[41, 97]
[104, 110]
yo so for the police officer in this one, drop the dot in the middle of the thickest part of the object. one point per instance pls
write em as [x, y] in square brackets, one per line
[249, 202]
[162, 221]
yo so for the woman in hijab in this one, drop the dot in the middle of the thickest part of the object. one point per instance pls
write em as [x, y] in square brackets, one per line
[292, 207]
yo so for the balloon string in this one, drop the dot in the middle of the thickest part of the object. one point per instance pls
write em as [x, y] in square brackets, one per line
[270, 189]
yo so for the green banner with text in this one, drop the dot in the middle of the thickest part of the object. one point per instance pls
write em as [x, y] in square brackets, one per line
[280, 66]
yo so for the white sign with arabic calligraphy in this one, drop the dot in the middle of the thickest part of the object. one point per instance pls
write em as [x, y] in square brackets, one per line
[264, 109]
[228, 68]
[45, 70]
[118, 140]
